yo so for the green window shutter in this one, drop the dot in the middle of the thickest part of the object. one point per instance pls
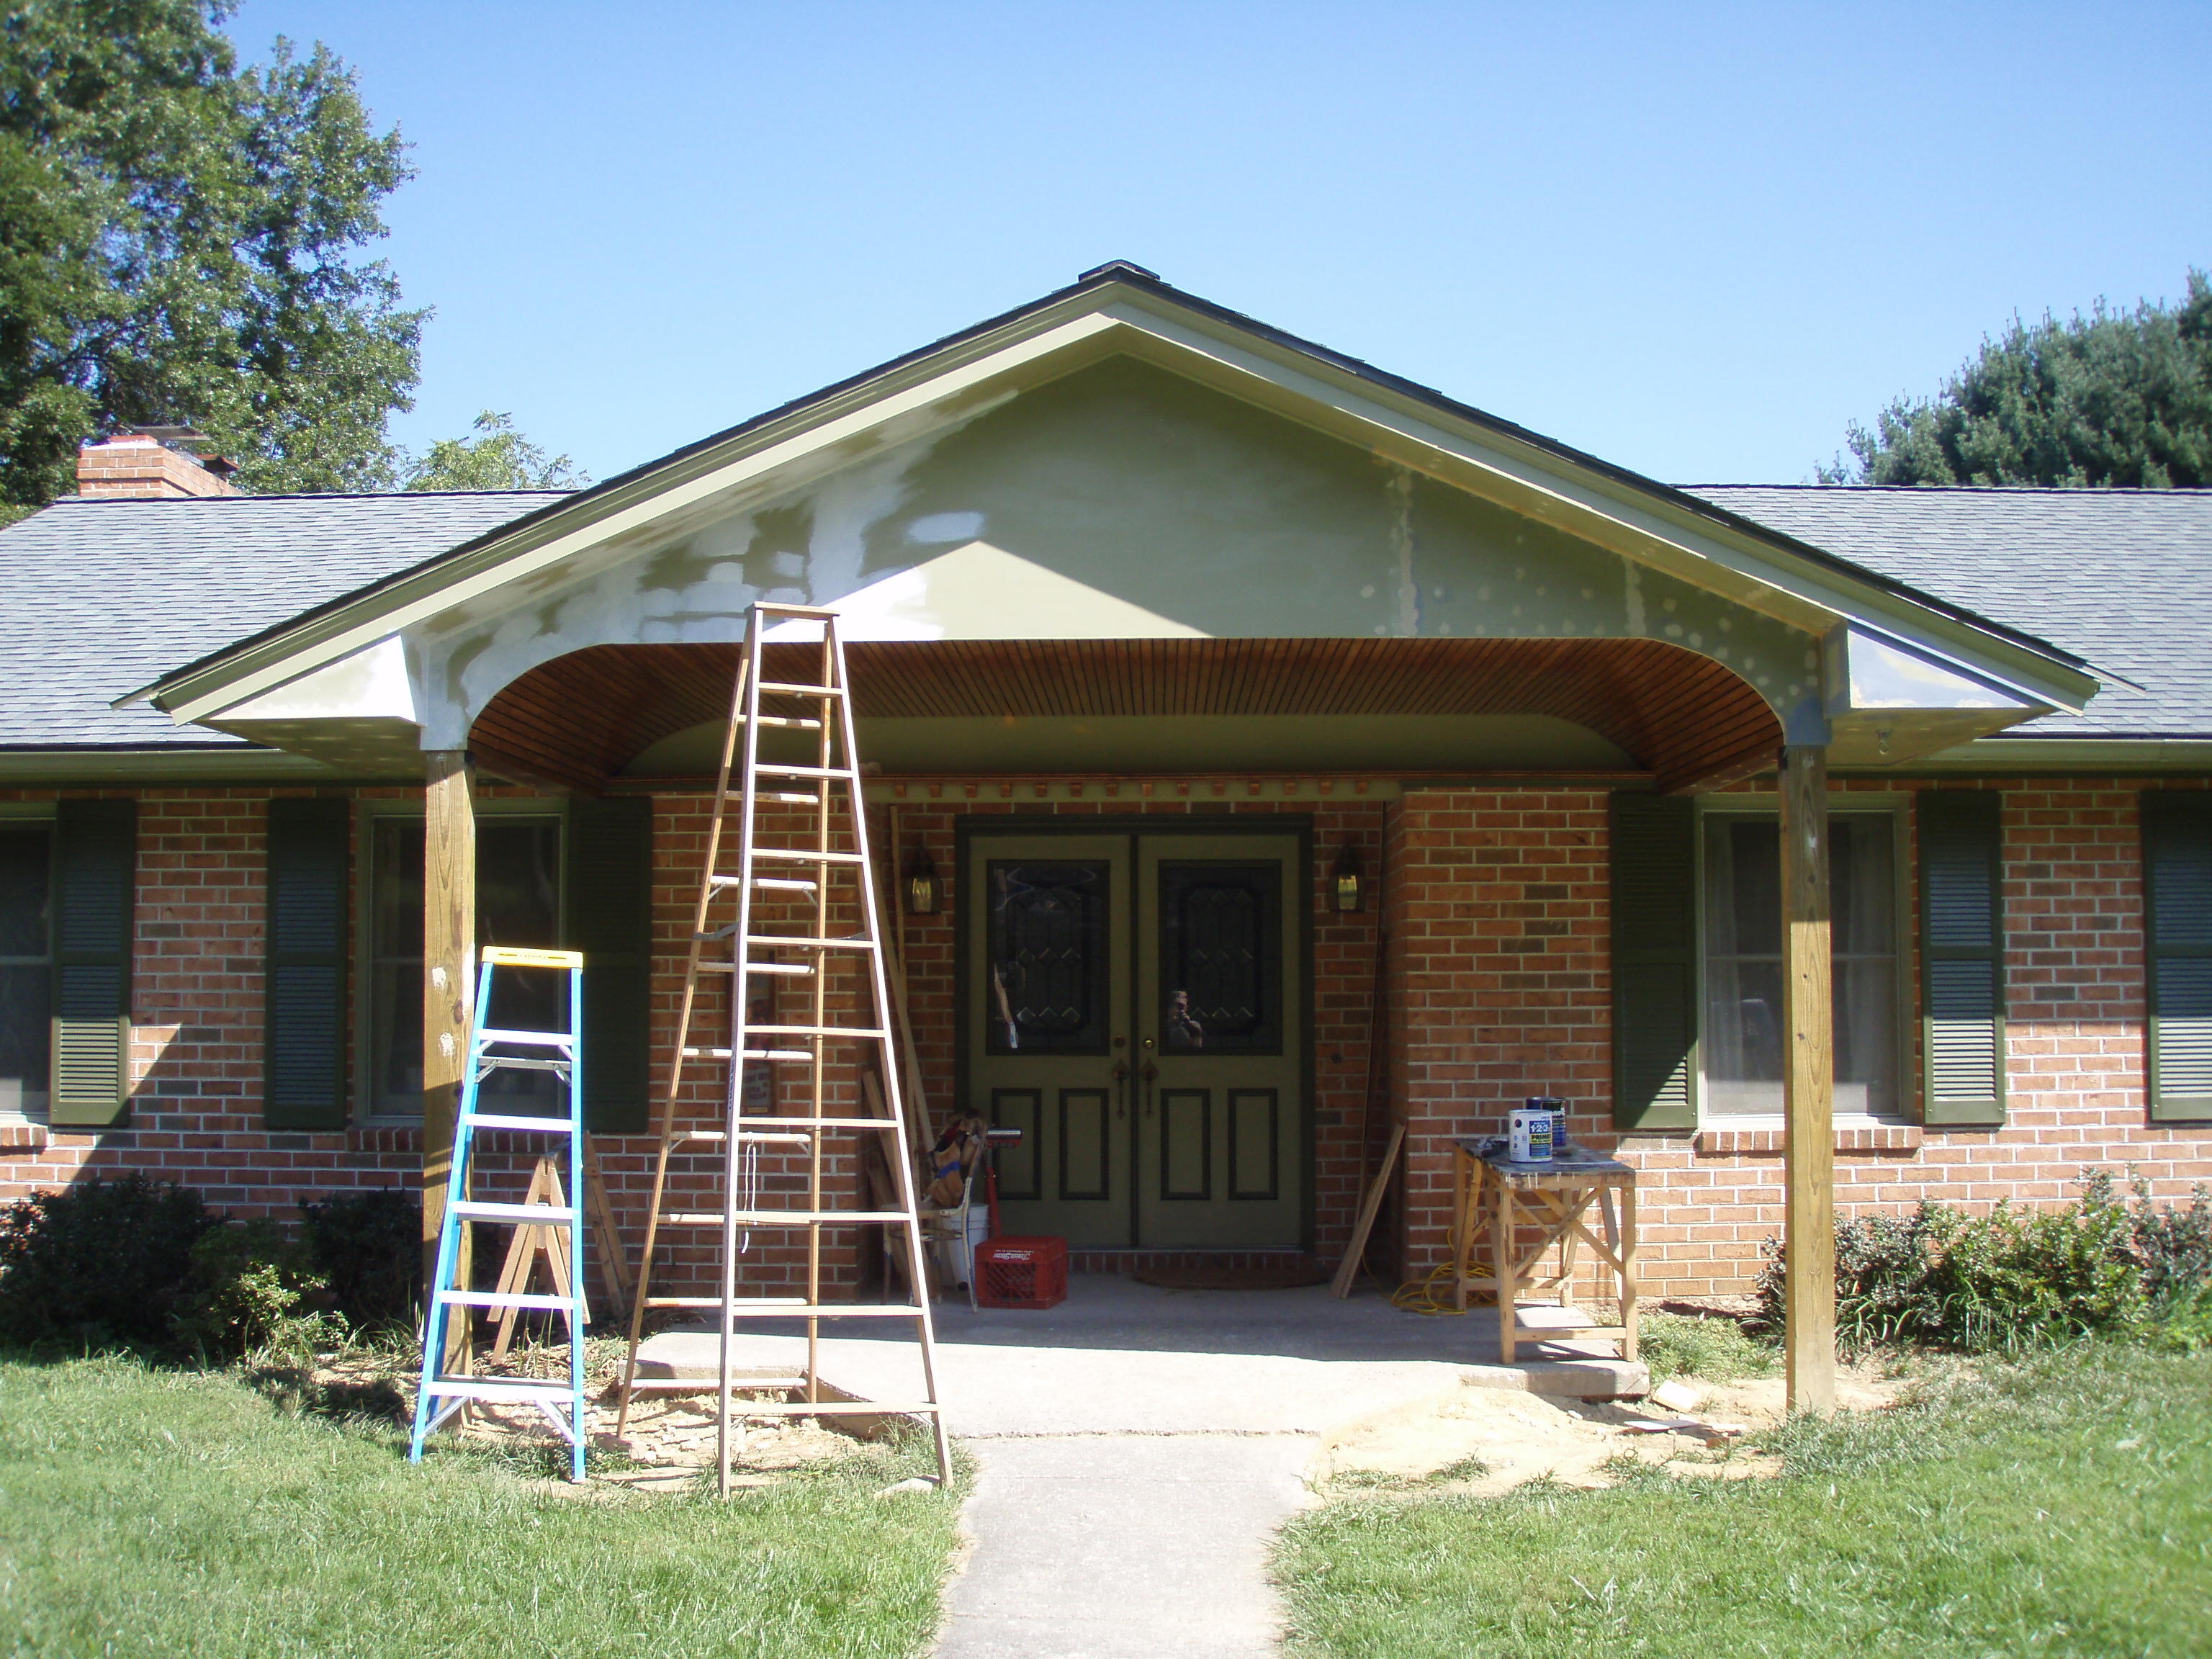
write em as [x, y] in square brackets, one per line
[303, 1067]
[609, 906]
[1962, 1028]
[1655, 963]
[2176, 828]
[95, 871]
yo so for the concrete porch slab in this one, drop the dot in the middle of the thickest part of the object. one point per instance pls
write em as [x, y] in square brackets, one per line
[1121, 1358]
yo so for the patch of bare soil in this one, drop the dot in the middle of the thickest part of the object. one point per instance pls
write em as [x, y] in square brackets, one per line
[1487, 1441]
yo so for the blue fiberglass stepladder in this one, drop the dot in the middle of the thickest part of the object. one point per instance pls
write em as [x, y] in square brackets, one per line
[565, 1061]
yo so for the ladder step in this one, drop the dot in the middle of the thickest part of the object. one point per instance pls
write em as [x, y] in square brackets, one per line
[781, 1218]
[786, 798]
[784, 969]
[774, 1056]
[856, 1031]
[534, 1215]
[792, 1126]
[543, 1039]
[498, 1388]
[797, 1307]
[801, 723]
[774, 883]
[830, 773]
[506, 1299]
[831, 1407]
[778, 689]
[807, 855]
[707, 1385]
[784, 942]
[543, 1126]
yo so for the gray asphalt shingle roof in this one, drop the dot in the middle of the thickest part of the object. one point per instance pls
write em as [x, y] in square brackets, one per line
[99, 597]
[2123, 578]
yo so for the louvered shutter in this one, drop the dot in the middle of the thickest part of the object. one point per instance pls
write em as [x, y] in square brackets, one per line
[609, 906]
[2178, 952]
[303, 1068]
[1655, 962]
[96, 862]
[1962, 1037]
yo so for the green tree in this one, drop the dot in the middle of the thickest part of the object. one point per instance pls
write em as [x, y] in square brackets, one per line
[2114, 398]
[181, 241]
[497, 458]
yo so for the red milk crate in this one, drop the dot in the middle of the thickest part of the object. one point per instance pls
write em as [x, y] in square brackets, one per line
[1021, 1273]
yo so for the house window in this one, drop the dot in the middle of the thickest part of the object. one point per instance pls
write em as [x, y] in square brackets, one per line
[518, 902]
[26, 962]
[1744, 1026]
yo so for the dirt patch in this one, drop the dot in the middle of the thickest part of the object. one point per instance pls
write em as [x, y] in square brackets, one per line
[1487, 1441]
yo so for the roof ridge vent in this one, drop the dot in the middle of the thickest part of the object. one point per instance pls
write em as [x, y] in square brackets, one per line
[1118, 268]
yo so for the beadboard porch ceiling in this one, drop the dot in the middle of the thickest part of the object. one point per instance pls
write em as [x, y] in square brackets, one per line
[625, 714]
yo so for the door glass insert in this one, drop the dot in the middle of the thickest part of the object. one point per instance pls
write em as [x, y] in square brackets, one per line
[1221, 957]
[1047, 947]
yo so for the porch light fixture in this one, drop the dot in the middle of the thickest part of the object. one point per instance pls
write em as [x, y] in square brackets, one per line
[920, 885]
[1347, 889]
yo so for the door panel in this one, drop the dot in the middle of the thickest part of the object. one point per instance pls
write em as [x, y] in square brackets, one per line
[1219, 1026]
[1048, 921]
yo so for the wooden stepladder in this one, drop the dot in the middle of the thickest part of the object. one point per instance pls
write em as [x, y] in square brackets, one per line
[545, 1210]
[804, 876]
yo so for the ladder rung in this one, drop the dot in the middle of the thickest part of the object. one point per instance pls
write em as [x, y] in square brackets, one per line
[547, 1126]
[774, 1056]
[782, 769]
[803, 724]
[707, 1384]
[829, 1407]
[508, 1299]
[779, 688]
[786, 942]
[799, 1308]
[787, 798]
[787, 970]
[744, 1135]
[542, 1039]
[806, 855]
[856, 1031]
[534, 1215]
[499, 1388]
[774, 883]
[781, 1218]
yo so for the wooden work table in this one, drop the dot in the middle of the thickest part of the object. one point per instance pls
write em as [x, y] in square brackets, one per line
[1493, 1198]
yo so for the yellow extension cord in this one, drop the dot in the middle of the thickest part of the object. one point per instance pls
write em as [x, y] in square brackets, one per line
[1419, 1295]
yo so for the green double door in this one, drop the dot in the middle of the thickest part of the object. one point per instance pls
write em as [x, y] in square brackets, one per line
[1136, 1006]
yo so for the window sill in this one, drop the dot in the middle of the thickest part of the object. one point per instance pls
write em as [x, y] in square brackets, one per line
[23, 1138]
[1757, 1140]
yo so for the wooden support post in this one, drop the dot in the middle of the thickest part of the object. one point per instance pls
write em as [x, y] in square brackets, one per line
[449, 934]
[1808, 1085]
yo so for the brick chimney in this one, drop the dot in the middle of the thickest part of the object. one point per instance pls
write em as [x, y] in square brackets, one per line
[138, 465]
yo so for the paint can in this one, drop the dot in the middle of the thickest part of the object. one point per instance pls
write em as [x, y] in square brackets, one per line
[1529, 1135]
[1557, 1109]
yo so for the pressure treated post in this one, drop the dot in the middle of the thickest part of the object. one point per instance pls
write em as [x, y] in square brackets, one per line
[449, 937]
[1808, 1085]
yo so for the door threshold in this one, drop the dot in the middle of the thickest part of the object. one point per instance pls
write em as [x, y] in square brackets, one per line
[1229, 1256]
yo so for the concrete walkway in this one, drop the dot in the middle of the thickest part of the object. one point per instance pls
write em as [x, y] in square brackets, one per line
[1139, 1446]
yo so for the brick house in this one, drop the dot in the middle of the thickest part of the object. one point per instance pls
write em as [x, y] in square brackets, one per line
[1220, 684]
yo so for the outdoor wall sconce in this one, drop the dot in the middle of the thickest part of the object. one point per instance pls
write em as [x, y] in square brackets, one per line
[1346, 890]
[920, 885]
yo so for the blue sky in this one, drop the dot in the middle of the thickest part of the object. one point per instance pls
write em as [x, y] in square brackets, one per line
[1695, 240]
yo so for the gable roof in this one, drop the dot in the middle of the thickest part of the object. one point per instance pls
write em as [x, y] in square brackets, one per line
[2122, 577]
[99, 595]
[1122, 308]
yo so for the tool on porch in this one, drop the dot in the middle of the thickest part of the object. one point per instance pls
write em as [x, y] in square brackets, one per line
[560, 1054]
[789, 883]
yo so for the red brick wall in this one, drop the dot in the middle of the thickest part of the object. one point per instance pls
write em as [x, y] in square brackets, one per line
[1495, 903]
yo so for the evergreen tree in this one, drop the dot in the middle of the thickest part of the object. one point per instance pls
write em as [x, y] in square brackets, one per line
[180, 243]
[2111, 400]
[497, 458]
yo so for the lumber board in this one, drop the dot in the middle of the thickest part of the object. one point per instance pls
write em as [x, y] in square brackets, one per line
[1348, 1270]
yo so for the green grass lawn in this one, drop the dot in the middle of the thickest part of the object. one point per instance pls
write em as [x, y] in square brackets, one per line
[2063, 1507]
[178, 1513]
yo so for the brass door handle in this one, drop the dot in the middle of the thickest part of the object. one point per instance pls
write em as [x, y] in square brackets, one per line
[1120, 1088]
[1149, 1073]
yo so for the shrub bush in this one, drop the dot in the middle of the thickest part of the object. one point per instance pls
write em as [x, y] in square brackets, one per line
[99, 1264]
[249, 1280]
[367, 1246]
[2011, 1279]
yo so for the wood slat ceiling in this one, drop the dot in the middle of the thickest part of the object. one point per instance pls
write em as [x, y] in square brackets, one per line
[579, 719]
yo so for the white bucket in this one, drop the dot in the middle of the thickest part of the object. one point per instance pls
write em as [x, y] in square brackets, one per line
[1529, 1135]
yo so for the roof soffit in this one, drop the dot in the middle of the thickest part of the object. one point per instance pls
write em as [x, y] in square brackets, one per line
[1799, 587]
